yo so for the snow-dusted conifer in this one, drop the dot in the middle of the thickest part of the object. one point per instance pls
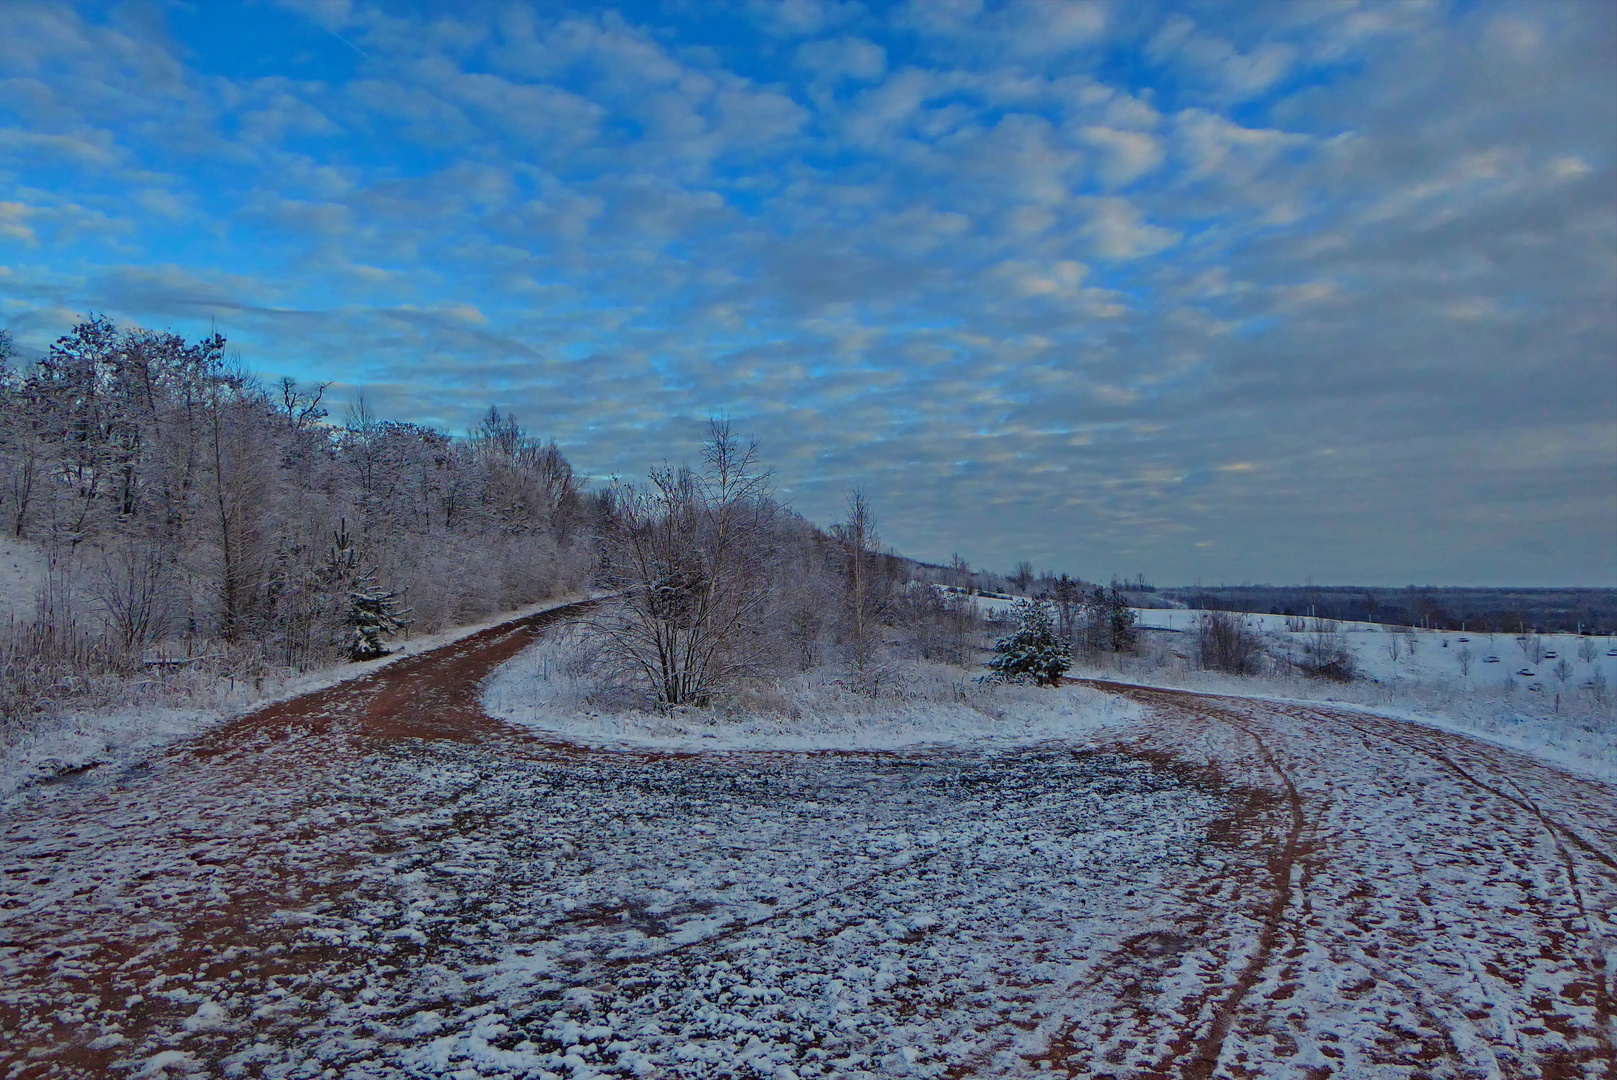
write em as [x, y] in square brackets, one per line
[373, 612]
[1034, 651]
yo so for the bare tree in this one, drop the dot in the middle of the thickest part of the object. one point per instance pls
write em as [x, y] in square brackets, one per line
[960, 573]
[1022, 576]
[131, 593]
[1562, 671]
[685, 553]
[858, 541]
[1328, 652]
[1464, 656]
[1532, 646]
[238, 499]
[1586, 650]
[1068, 594]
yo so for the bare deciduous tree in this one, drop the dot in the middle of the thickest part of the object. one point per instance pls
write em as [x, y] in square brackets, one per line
[132, 595]
[1068, 595]
[1562, 671]
[686, 555]
[857, 539]
[1328, 652]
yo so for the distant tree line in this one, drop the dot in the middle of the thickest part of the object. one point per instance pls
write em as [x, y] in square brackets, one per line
[1501, 610]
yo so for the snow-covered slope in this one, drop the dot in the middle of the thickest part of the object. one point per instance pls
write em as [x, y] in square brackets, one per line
[22, 575]
[1391, 654]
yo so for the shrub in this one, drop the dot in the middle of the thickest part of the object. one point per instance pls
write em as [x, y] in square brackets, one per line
[1034, 651]
[1226, 642]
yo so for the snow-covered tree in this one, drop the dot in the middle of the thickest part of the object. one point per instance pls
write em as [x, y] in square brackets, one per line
[1034, 651]
[372, 612]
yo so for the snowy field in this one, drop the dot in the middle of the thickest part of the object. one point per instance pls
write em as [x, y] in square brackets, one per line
[1417, 675]
[379, 881]
[22, 577]
[1511, 695]
[1391, 655]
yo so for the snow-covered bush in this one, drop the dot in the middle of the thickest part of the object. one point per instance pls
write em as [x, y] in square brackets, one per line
[1033, 651]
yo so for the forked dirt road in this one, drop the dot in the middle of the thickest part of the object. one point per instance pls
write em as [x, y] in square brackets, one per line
[378, 880]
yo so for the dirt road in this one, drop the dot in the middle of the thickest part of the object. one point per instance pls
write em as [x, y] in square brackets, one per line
[1404, 902]
[378, 880]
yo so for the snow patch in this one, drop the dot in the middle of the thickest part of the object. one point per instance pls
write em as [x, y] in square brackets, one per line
[22, 578]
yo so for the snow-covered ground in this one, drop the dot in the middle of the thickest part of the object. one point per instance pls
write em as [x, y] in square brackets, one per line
[1506, 691]
[546, 690]
[1433, 657]
[1416, 675]
[22, 577]
[1215, 888]
[76, 739]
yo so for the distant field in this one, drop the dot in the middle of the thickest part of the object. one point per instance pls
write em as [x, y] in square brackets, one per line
[1504, 610]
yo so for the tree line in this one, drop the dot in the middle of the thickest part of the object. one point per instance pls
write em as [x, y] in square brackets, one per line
[186, 506]
[192, 513]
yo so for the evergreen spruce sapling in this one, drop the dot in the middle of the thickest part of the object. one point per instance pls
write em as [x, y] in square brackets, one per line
[373, 611]
[1034, 651]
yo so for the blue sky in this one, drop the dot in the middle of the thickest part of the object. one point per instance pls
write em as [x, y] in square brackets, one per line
[1205, 291]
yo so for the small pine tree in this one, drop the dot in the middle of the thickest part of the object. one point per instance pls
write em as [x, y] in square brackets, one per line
[372, 612]
[1035, 651]
[1120, 620]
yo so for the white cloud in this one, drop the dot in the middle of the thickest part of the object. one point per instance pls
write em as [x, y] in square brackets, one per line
[1212, 60]
[1213, 145]
[834, 59]
[1117, 230]
[1129, 155]
[13, 223]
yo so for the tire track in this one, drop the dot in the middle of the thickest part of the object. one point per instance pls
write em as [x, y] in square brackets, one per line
[1281, 866]
[1594, 958]
[1487, 964]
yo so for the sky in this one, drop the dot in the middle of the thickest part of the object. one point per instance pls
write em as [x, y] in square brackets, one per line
[1221, 292]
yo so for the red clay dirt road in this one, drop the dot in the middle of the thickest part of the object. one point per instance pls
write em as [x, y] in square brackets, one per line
[163, 918]
[1406, 902]
[1366, 898]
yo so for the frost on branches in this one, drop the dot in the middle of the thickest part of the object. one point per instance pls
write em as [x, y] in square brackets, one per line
[1035, 651]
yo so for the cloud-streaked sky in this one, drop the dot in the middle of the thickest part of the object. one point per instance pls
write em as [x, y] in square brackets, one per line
[1235, 292]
